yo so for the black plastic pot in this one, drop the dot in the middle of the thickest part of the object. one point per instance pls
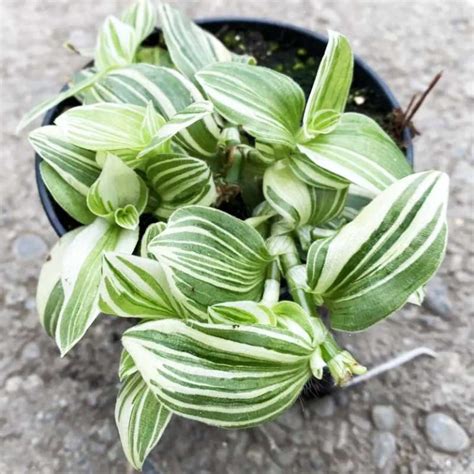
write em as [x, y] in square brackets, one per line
[284, 35]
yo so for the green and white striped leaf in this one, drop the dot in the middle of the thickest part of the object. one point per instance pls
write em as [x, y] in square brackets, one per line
[42, 107]
[292, 199]
[191, 48]
[181, 180]
[80, 277]
[331, 86]
[141, 419]
[119, 193]
[357, 199]
[372, 265]
[150, 233]
[241, 312]
[169, 91]
[330, 203]
[211, 257]
[306, 170]
[360, 152]
[49, 292]
[105, 127]
[267, 104]
[142, 17]
[126, 367]
[182, 120]
[72, 201]
[116, 44]
[233, 377]
[135, 287]
[152, 122]
[75, 165]
[153, 55]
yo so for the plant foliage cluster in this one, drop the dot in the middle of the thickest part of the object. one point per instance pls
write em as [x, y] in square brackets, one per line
[336, 218]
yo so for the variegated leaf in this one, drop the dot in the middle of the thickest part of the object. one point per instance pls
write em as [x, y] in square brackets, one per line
[267, 104]
[135, 287]
[211, 257]
[72, 201]
[191, 48]
[182, 120]
[118, 194]
[126, 367]
[76, 165]
[360, 152]
[394, 246]
[154, 55]
[49, 292]
[141, 419]
[150, 233]
[180, 180]
[241, 312]
[331, 86]
[105, 127]
[169, 91]
[116, 44]
[80, 277]
[292, 199]
[142, 17]
[219, 374]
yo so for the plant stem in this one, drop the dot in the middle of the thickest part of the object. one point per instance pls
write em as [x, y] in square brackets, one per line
[271, 292]
[233, 173]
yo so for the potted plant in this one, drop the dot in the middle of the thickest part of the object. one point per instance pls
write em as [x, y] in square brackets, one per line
[221, 210]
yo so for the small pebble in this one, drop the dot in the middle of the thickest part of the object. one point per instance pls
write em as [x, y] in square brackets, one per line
[31, 351]
[384, 447]
[445, 434]
[324, 407]
[29, 247]
[384, 417]
[437, 298]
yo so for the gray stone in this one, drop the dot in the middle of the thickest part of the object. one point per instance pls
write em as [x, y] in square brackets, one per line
[384, 447]
[13, 384]
[29, 247]
[445, 434]
[360, 422]
[324, 407]
[437, 298]
[292, 418]
[31, 351]
[384, 417]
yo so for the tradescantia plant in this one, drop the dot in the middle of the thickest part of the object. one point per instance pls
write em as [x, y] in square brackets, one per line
[336, 218]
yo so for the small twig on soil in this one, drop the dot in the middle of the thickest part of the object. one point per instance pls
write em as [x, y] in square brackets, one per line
[391, 364]
[416, 104]
[271, 441]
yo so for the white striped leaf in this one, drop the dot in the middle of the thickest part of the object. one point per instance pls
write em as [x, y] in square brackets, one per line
[242, 312]
[314, 175]
[141, 419]
[211, 257]
[220, 374]
[267, 104]
[152, 123]
[135, 287]
[154, 55]
[180, 180]
[360, 152]
[72, 201]
[331, 86]
[191, 114]
[105, 127]
[330, 203]
[169, 91]
[76, 165]
[126, 366]
[372, 265]
[49, 292]
[150, 233]
[141, 16]
[357, 199]
[292, 199]
[119, 194]
[42, 107]
[80, 277]
[116, 44]
[191, 48]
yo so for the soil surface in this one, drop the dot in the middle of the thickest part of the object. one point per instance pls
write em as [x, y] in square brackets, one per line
[56, 415]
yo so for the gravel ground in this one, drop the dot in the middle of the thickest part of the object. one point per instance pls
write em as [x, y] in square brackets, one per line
[56, 415]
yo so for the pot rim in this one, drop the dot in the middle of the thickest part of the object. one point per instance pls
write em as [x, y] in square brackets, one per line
[47, 200]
